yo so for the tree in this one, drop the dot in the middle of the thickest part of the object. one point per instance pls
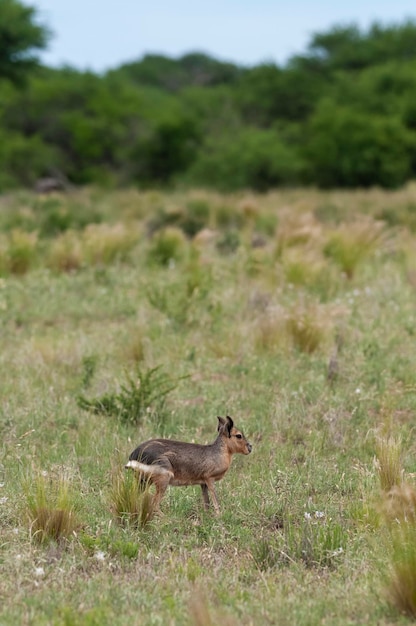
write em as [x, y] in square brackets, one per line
[251, 158]
[349, 148]
[173, 75]
[351, 49]
[20, 37]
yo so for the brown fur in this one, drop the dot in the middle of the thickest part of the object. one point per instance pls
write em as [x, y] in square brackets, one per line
[166, 462]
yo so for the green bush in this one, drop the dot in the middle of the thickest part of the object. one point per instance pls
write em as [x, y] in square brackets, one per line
[251, 158]
[142, 392]
[24, 159]
[349, 148]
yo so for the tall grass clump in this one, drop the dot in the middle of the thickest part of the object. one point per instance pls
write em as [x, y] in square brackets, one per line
[203, 615]
[130, 500]
[350, 244]
[309, 326]
[51, 508]
[296, 229]
[388, 461]
[398, 507]
[401, 585]
[315, 541]
[105, 243]
[65, 252]
[18, 252]
[305, 267]
[167, 246]
[270, 331]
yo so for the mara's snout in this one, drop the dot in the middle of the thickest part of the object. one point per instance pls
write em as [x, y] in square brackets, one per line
[249, 448]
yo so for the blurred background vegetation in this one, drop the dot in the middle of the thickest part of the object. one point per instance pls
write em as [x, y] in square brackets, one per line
[340, 114]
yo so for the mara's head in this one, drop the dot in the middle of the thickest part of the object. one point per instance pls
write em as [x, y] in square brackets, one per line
[236, 441]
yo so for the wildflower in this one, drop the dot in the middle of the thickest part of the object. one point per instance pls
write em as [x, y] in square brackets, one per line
[3, 500]
[358, 391]
[307, 516]
[319, 514]
[39, 572]
[100, 555]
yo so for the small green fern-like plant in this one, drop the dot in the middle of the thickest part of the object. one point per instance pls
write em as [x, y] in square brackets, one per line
[143, 391]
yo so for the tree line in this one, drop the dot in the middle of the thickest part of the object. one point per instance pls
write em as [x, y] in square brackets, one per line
[340, 114]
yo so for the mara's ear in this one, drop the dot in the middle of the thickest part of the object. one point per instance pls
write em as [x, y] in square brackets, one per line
[229, 425]
[221, 422]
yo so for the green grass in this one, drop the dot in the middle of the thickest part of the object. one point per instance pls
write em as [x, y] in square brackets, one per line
[237, 304]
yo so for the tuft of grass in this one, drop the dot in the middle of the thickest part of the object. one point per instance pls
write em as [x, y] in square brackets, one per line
[314, 542]
[308, 326]
[65, 253]
[130, 500]
[51, 508]
[399, 504]
[104, 243]
[296, 229]
[350, 245]
[167, 246]
[201, 613]
[18, 252]
[388, 462]
[270, 331]
[401, 573]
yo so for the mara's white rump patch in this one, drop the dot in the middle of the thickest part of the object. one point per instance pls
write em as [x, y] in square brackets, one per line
[148, 470]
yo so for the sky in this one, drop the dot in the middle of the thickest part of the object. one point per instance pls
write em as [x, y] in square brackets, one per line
[102, 34]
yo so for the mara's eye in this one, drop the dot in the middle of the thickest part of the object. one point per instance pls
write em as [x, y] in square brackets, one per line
[239, 436]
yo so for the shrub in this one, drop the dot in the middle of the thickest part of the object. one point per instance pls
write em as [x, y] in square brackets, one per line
[167, 246]
[24, 159]
[142, 392]
[350, 148]
[196, 217]
[57, 214]
[250, 158]
[228, 242]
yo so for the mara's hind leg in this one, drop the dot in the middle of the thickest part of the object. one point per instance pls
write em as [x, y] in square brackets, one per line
[161, 478]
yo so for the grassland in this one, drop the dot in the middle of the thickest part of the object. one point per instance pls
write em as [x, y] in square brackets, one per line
[294, 312]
